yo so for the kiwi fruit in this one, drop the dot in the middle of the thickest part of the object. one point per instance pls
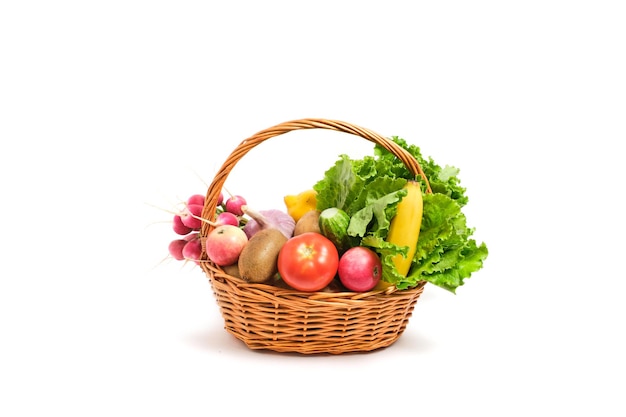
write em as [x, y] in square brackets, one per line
[258, 261]
[232, 270]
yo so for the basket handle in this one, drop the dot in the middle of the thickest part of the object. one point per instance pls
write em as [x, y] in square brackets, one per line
[246, 145]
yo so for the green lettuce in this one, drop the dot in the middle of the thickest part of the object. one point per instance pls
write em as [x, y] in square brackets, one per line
[364, 192]
[369, 190]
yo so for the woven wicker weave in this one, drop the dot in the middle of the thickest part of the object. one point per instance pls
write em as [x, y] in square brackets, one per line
[284, 320]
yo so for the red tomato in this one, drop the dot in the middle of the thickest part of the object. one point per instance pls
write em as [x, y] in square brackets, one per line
[308, 262]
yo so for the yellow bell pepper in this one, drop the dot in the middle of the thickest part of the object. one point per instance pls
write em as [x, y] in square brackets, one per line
[298, 205]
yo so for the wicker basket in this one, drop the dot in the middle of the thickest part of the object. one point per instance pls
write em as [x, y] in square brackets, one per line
[275, 318]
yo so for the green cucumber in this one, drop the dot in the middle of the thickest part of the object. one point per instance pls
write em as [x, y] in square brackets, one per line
[334, 224]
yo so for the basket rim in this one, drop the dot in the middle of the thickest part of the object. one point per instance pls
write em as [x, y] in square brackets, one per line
[215, 272]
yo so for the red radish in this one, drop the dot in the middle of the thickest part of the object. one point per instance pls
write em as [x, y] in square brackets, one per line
[192, 250]
[220, 199]
[227, 217]
[179, 227]
[196, 199]
[224, 244]
[191, 216]
[359, 269]
[189, 220]
[175, 248]
[192, 236]
[234, 203]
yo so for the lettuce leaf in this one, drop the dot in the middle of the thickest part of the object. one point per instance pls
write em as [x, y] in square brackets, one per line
[446, 254]
[443, 180]
[367, 195]
[370, 189]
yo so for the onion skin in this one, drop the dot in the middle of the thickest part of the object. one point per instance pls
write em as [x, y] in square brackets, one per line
[265, 219]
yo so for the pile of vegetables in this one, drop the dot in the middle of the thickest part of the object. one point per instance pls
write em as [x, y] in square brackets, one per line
[366, 224]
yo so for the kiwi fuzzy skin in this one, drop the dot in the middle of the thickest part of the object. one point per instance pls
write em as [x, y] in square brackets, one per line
[258, 261]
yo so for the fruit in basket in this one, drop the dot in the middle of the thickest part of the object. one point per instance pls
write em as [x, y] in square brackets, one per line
[405, 226]
[309, 222]
[225, 243]
[308, 262]
[232, 270]
[360, 269]
[298, 205]
[268, 219]
[258, 259]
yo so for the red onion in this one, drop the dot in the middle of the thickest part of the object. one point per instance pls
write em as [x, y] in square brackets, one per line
[264, 219]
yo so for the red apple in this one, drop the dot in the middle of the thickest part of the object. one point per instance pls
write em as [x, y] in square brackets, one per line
[225, 243]
[360, 269]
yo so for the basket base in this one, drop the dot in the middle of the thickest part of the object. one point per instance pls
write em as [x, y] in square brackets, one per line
[266, 317]
[313, 347]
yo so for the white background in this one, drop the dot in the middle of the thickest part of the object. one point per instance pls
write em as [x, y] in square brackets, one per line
[110, 112]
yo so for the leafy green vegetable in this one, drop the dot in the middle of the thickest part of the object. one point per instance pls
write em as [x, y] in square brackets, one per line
[368, 196]
[369, 190]
[443, 180]
[446, 254]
